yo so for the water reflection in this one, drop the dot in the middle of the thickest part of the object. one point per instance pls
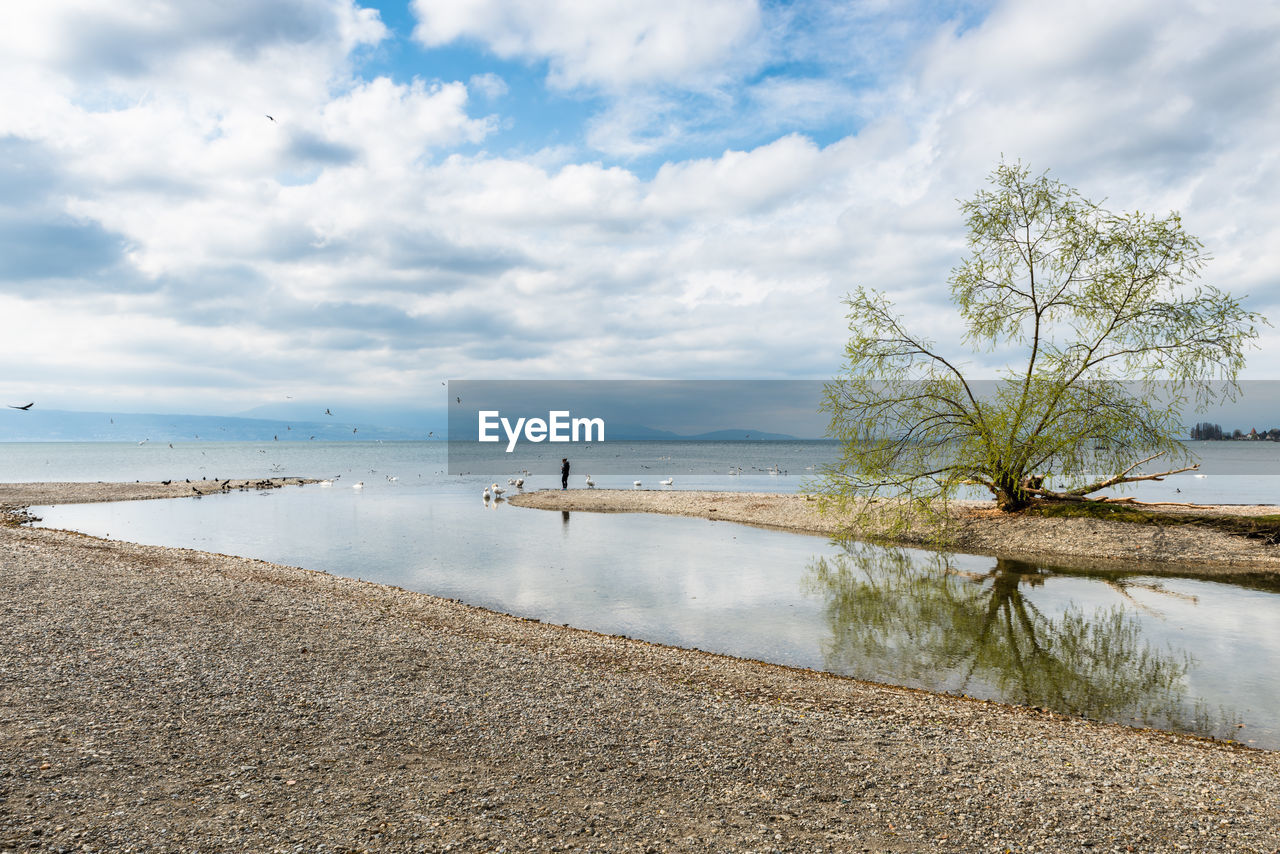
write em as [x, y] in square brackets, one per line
[911, 617]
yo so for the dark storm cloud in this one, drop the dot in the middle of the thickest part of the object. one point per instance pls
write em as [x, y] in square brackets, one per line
[37, 240]
[58, 249]
[315, 149]
[415, 250]
[104, 42]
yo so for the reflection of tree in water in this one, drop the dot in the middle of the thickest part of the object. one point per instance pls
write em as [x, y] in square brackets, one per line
[909, 618]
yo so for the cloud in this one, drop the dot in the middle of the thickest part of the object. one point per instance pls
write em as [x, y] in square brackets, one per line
[383, 232]
[488, 85]
[611, 44]
[85, 39]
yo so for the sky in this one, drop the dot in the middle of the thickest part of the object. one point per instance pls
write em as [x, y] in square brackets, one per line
[212, 207]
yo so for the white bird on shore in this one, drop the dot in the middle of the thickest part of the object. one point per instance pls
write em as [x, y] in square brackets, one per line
[636, 483]
[591, 484]
[358, 485]
[668, 481]
[497, 490]
[519, 483]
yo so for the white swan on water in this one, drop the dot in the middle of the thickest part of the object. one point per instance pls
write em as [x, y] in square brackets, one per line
[358, 485]
[486, 495]
[497, 490]
[637, 483]
[668, 481]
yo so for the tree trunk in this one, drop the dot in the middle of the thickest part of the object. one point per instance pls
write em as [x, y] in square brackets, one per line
[1011, 492]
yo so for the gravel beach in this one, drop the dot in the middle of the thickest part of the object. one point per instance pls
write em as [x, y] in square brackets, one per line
[156, 699]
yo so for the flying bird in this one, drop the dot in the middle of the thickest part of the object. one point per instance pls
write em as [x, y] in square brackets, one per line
[273, 118]
[23, 408]
[327, 412]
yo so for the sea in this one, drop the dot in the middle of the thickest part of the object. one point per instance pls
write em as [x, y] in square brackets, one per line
[1186, 654]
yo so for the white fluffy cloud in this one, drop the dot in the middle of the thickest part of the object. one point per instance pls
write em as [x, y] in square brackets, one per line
[361, 244]
[614, 44]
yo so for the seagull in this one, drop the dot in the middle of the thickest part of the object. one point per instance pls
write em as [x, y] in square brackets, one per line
[637, 483]
[668, 481]
[327, 412]
[23, 408]
[273, 118]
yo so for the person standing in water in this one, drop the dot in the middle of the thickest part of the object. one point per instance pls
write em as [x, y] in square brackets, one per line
[564, 472]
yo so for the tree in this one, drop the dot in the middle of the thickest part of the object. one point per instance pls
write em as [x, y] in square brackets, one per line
[1107, 334]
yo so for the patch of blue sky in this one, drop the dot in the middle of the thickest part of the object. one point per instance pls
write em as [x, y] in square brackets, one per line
[531, 117]
[821, 60]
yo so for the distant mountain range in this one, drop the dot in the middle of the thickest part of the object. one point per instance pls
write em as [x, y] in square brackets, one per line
[56, 425]
[637, 432]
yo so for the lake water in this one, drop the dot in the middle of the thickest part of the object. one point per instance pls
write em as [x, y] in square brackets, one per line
[1185, 654]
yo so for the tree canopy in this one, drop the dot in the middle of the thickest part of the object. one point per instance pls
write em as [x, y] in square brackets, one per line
[1107, 333]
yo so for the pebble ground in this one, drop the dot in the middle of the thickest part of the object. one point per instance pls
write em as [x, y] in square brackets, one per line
[159, 699]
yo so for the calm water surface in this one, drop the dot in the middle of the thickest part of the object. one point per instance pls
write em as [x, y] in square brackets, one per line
[1178, 653]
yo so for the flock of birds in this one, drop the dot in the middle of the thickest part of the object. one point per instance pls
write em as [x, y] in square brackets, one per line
[494, 493]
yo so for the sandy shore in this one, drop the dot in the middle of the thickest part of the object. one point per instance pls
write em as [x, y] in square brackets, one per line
[978, 529]
[159, 699]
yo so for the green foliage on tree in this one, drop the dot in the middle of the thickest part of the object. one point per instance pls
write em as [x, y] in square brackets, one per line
[1108, 335]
